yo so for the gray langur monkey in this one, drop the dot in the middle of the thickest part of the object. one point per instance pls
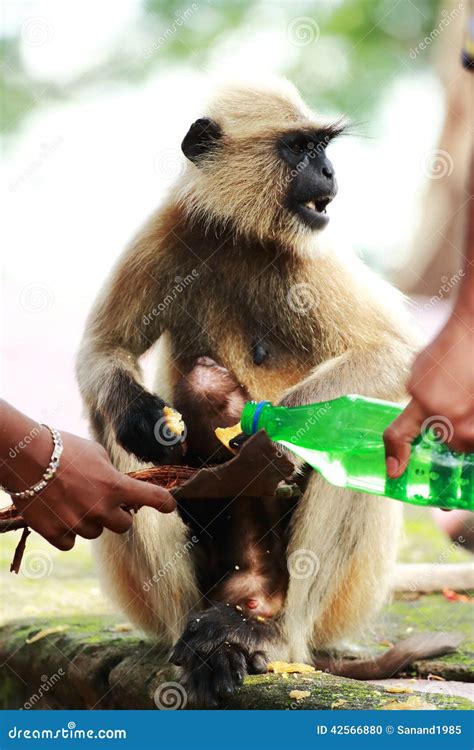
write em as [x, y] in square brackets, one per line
[266, 313]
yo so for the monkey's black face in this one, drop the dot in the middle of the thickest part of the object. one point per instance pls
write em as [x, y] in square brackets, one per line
[311, 181]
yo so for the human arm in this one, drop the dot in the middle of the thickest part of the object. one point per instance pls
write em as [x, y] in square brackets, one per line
[86, 495]
[441, 383]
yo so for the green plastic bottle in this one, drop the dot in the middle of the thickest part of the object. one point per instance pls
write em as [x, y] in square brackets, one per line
[343, 440]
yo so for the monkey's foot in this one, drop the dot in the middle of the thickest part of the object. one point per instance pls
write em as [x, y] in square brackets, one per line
[217, 649]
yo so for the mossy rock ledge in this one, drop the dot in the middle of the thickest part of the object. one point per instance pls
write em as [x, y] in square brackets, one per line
[80, 663]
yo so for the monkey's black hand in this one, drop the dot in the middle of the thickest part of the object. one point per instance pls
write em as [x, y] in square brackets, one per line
[142, 429]
[217, 649]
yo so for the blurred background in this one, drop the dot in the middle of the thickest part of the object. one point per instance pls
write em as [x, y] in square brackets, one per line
[96, 98]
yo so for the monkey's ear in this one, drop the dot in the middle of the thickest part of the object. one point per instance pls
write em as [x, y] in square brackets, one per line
[200, 138]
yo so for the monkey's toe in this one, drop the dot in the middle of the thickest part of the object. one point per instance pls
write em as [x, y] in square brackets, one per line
[257, 663]
[228, 670]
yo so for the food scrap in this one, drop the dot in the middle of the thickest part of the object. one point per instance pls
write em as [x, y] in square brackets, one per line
[415, 703]
[398, 689]
[122, 627]
[286, 667]
[299, 695]
[338, 703]
[44, 633]
[226, 434]
[174, 420]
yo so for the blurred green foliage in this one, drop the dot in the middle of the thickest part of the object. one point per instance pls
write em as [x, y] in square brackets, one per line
[341, 53]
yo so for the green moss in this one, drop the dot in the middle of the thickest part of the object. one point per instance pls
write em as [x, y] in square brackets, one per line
[424, 541]
[273, 691]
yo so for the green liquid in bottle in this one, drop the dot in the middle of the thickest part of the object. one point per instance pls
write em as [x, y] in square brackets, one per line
[343, 440]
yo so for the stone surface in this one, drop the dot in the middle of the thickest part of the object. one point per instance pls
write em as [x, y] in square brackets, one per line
[94, 662]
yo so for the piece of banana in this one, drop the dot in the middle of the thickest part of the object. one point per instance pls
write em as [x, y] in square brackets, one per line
[174, 420]
[226, 434]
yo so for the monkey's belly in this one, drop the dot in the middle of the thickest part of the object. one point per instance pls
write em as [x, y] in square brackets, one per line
[241, 555]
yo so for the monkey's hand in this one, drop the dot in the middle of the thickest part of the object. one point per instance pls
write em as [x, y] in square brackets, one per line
[142, 429]
[217, 649]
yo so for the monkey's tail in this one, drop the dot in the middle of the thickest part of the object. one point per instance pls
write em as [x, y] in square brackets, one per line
[396, 659]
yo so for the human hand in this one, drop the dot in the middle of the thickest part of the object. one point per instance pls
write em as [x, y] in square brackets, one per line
[87, 495]
[442, 390]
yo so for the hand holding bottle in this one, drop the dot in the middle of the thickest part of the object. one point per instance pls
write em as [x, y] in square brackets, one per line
[442, 390]
[442, 378]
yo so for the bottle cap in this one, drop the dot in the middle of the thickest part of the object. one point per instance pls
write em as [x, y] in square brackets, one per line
[250, 416]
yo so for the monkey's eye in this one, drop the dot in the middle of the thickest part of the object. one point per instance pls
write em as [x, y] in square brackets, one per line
[298, 148]
[297, 145]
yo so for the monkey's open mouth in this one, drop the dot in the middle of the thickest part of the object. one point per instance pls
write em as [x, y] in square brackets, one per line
[318, 205]
[313, 212]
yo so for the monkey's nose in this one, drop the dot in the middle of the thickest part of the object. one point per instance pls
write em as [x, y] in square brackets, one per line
[327, 172]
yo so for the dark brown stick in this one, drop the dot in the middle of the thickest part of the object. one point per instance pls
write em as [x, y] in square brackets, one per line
[19, 551]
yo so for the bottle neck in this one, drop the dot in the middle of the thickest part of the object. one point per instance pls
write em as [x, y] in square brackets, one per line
[283, 422]
[252, 414]
[341, 423]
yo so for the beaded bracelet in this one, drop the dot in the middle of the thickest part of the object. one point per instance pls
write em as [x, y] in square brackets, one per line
[48, 475]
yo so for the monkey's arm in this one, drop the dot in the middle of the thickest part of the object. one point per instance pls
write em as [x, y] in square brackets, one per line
[121, 327]
[365, 371]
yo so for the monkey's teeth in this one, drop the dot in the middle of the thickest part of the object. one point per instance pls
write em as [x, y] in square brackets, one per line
[311, 205]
